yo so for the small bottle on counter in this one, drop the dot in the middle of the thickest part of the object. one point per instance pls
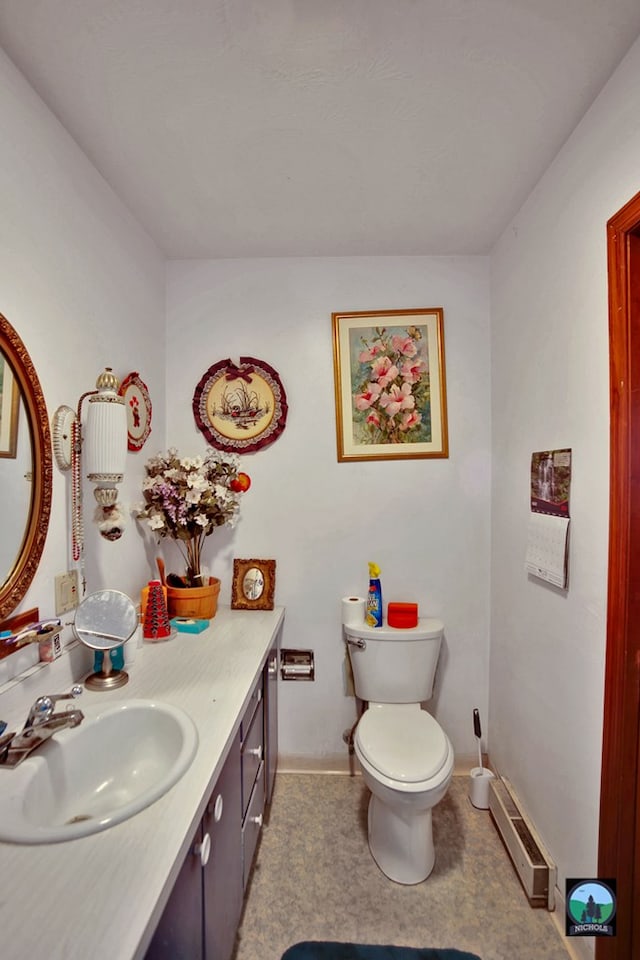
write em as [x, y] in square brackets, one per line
[50, 646]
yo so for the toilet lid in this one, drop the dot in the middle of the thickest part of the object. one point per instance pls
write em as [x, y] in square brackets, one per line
[407, 747]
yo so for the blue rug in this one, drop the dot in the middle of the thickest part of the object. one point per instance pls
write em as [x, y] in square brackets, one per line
[325, 950]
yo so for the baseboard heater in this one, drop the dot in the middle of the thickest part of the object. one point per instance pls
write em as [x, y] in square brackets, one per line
[536, 870]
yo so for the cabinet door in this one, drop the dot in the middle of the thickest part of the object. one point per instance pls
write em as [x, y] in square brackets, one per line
[223, 873]
[178, 935]
[271, 719]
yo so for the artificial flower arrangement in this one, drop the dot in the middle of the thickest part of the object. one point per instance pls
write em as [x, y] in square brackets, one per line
[186, 498]
[391, 394]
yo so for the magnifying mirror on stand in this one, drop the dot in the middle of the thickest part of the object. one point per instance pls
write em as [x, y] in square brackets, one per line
[104, 621]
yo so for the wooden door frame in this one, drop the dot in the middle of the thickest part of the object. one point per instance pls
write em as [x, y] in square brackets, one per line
[619, 783]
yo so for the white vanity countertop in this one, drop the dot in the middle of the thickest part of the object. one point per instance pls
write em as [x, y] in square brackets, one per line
[101, 896]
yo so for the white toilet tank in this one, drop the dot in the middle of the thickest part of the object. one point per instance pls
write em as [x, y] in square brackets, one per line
[392, 665]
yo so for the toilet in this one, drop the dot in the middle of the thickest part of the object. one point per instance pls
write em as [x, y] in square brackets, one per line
[405, 756]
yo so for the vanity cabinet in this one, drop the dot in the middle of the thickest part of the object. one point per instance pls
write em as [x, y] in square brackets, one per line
[132, 870]
[201, 917]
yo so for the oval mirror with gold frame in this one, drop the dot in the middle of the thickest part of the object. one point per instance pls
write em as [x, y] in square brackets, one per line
[16, 363]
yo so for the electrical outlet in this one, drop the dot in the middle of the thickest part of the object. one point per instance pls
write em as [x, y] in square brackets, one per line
[66, 591]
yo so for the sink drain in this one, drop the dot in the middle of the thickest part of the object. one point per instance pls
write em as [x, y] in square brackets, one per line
[79, 818]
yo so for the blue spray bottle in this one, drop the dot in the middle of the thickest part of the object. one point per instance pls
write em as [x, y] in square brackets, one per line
[374, 597]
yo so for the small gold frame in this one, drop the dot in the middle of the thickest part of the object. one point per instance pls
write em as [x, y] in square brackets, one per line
[253, 590]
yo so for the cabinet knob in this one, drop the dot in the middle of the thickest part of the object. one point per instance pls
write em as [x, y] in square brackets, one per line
[203, 850]
[256, 752]
[215, 808]
[257, 820]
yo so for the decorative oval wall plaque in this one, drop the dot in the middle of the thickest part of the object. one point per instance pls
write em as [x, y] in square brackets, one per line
[241, 407]
[138, 404]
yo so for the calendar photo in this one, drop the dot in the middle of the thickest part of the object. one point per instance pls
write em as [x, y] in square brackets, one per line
[551, 482]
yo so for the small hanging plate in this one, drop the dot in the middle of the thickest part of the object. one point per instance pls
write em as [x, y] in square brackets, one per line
[138, 405]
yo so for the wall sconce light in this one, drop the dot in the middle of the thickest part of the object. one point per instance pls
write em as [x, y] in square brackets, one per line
[102, 445]
[105, 440]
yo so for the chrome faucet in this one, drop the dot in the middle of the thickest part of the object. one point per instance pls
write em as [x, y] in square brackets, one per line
[41, 723]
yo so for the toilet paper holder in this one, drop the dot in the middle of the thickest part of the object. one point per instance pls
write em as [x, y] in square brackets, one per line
[297, 665]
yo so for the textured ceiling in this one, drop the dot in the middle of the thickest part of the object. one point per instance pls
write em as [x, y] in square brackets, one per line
[239, 128]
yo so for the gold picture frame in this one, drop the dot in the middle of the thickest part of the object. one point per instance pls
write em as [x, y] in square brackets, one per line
[254, 584]
[9, 409]
[390, 389]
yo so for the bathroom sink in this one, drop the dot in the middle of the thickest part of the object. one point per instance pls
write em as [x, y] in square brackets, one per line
[121, 759]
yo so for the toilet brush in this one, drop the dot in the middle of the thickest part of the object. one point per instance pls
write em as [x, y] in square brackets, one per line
[478, 732]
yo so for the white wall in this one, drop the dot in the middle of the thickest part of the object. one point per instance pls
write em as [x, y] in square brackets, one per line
[84, 287]
[425, 522]
[550, 389]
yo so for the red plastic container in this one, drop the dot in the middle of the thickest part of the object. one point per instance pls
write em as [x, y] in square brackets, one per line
[403, 616]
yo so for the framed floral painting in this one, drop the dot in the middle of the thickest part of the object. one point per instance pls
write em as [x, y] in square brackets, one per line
[391, 398]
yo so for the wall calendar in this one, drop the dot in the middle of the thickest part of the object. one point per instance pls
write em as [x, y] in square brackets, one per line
[547, 555]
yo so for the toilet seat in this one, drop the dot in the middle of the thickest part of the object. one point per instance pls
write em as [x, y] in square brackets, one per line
[408, 747]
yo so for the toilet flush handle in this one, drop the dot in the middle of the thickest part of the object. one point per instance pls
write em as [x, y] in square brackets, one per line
[357, 642]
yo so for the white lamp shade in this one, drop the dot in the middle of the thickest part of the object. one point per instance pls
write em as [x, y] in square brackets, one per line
[105, 440]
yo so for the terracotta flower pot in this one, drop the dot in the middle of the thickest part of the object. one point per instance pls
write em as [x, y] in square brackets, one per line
[200, 603]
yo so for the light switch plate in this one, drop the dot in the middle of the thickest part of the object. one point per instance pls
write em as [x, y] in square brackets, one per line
[66, 591]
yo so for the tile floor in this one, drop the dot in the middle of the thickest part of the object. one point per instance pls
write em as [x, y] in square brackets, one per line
[314, 879]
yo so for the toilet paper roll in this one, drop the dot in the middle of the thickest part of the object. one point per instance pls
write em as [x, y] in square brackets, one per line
[353, 611]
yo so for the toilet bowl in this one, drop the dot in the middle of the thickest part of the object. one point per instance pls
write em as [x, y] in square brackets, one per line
[405, 757]
[407, 763]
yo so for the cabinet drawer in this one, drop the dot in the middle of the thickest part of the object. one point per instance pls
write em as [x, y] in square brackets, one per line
[254, 702]
[252, 756]
[252, 825]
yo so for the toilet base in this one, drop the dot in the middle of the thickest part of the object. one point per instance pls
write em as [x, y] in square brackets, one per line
[401, 841]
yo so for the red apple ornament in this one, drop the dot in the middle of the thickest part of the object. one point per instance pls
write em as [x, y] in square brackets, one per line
[241, 483]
